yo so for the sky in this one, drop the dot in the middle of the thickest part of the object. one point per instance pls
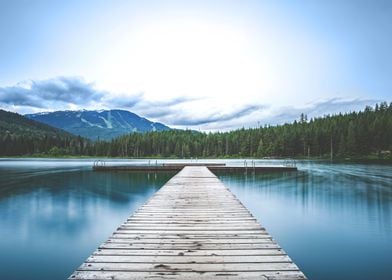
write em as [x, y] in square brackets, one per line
[206, 65]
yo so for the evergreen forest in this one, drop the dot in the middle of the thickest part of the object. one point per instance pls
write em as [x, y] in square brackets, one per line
[367, 133]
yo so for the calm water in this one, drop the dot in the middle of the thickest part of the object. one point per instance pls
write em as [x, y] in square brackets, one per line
[335, 221]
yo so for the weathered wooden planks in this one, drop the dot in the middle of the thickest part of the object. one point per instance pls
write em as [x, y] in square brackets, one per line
[192, 228]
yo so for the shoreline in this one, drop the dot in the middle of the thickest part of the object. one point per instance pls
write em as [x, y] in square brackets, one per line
[364, 159]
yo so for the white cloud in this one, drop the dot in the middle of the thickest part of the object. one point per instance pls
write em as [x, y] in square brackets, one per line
[208, 114]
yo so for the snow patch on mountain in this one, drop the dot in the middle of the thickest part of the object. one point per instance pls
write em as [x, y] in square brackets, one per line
[98, 124]
[90, 124]
[107, 122]
[124, 123]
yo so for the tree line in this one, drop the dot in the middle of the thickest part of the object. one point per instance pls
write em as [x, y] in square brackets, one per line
[355, 134]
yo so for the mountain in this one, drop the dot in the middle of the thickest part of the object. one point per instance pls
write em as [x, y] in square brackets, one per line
[23, 136]
[103, 124]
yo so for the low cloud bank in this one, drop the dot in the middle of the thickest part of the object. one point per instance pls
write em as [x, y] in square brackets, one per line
[74, 93]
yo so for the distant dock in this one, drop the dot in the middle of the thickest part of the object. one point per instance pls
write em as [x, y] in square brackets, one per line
[192, 228]
[213, 167]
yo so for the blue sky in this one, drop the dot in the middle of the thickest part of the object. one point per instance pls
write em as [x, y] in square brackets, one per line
[210, 65]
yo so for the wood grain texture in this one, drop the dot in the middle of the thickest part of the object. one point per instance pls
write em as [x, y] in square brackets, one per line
[192, 228]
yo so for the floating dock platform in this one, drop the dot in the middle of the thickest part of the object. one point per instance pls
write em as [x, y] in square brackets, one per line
[176, 167]
[192, 228]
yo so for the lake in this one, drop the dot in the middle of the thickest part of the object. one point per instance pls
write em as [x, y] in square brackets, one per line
[334, 220]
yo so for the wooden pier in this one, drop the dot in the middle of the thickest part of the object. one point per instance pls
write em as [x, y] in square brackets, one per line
[192, 228]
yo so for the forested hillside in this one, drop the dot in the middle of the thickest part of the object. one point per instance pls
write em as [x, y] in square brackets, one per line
[22, 136]
[355, 134]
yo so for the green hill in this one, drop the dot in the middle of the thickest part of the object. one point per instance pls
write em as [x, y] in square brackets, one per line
[23, 136]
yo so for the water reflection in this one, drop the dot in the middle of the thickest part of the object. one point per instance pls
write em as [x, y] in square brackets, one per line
[332, 219]
[52, 219]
